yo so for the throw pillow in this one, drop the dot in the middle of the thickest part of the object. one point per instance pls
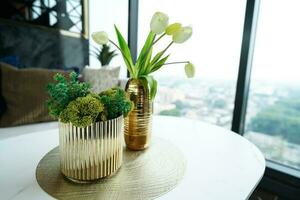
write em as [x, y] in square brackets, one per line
[25, 94]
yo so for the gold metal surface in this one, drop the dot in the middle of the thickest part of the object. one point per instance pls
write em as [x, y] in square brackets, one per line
[144, 175]
[85, 19]
[138, 123]
[90, 153]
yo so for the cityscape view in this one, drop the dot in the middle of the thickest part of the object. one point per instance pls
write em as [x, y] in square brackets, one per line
[273, 113]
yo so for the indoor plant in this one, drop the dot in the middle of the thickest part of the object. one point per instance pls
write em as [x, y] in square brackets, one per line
[106, 76]
[142, 86]
[103, 54]
[90, 127]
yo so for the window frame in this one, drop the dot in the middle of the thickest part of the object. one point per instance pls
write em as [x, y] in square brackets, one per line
[245, 66]
[278, 179]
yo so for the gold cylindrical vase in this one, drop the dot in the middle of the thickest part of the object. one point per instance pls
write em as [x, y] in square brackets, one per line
[138, 124]
[92, 152]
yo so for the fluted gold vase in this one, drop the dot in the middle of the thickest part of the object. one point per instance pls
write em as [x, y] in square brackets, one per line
[92, 152]
[138, 124]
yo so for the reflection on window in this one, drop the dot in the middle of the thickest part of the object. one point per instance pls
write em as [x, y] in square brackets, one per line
[273, 114]
[214, 49]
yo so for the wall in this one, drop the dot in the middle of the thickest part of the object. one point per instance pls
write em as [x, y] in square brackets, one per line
[38, 46]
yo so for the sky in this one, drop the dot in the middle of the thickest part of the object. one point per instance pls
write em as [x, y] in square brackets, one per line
[217, 34]
[277, 47]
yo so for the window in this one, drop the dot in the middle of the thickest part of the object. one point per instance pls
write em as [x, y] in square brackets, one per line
[103, 16]
[273, 113]
[66, 15]
[214, 49]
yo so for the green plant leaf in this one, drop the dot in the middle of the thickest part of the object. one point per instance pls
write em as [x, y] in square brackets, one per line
[152, 83]
[159, 64]
[125, 52]
[145, 50]
[157, 57]
[146, 65]
[95, 54]
[64, 91]
[116, 102]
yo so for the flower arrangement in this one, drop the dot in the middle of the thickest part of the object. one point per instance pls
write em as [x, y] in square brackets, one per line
[147, 63]
[103, 54]
[72, 101]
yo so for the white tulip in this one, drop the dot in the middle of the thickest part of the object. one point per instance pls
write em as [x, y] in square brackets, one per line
[173, 28]
[159, 22]
[189, 70]
[100, 37]
[183, 34]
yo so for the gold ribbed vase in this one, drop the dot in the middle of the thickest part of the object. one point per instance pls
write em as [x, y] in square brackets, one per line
[92, 152]
[138, 123]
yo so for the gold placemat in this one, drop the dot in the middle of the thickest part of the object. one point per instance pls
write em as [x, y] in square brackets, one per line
[143, 175]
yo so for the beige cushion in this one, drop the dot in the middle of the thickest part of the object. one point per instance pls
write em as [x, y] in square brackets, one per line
[101, 78]
[25, 94]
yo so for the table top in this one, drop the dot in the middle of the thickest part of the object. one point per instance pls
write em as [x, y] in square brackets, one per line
[220, 163]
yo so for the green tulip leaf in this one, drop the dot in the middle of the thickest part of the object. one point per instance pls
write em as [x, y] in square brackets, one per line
[157, 57]
[152, 83]
[145, 50]
[125, 52]
[159, 64]
[146, 65]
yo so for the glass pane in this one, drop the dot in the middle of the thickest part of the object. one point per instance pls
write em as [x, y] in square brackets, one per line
[103, 15]
[273, 113]
[214, 49]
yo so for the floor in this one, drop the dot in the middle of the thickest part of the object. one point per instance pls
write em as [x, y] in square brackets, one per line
[259, 194]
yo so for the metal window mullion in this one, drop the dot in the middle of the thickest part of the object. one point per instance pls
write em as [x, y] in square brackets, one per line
[133, 8]
[245, 65]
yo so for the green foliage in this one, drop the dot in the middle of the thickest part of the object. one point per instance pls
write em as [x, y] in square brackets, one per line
[171, 112]
[104, 55]
[125, 52]
[219, 103]
[140, 63]
[158, 64]
[71, 101]
[145, 64]
[181, 105]
[64, 91]
[152, 83]
[280, 119]
[116, 102]
[83, 111]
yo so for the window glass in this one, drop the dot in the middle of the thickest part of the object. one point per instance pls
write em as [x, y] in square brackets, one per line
[214, 49]
[103, 15]
[273, 113]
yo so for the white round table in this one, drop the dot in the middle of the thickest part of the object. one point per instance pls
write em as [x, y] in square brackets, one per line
[220, 163]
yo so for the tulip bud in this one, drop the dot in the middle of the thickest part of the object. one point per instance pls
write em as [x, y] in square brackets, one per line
[173, 28]
[159, 22]
[183, 34]
[100, 37]
[189, 70]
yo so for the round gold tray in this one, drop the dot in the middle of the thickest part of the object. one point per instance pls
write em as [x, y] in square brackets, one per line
[144, 175]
